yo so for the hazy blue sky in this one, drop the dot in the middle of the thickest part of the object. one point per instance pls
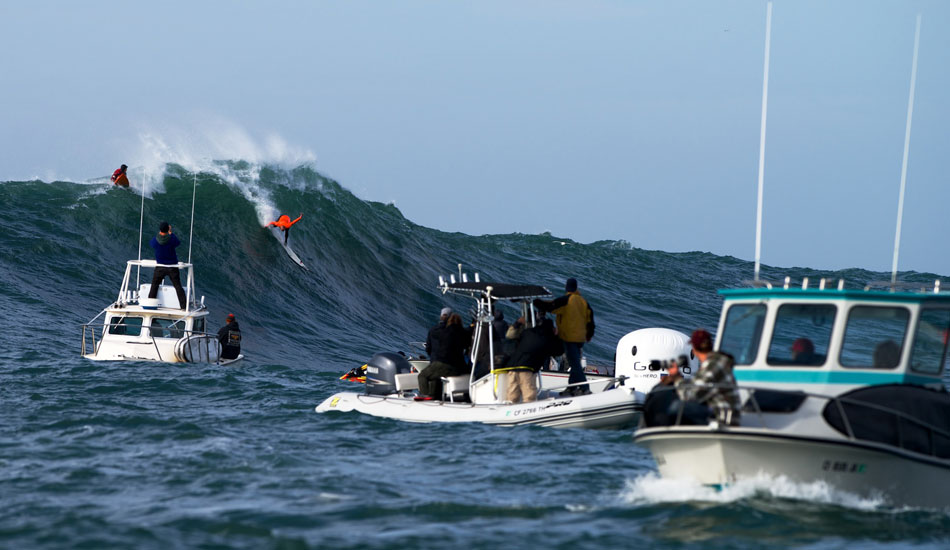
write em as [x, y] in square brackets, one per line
[634, 120]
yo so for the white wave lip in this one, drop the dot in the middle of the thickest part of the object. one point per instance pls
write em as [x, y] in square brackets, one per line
[208, 149]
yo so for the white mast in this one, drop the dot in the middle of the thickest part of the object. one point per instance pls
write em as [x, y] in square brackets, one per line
[765, 105]
[191, 232]
[138, 269]
[910, 115]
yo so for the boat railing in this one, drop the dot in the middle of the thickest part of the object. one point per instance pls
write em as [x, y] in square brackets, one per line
[825, 283]
[792, 400]
[129, 295]
[90, 329]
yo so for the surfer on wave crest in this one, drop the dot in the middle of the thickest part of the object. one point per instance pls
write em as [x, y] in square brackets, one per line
[119, 177]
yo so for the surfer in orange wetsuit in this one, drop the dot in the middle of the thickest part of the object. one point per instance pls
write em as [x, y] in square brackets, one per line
[284, 224]
[119, 178]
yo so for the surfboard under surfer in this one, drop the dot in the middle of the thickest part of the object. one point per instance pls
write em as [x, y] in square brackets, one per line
[284, 224]
[119, 177]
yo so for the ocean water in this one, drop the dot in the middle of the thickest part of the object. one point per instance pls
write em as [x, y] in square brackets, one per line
[144, 455]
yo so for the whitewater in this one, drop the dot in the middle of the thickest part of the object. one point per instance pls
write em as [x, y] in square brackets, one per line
[144, 455]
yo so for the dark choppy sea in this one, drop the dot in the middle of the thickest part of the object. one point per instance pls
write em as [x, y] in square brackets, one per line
[143, 455]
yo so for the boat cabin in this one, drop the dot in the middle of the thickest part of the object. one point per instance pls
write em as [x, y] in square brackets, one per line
[831, 339]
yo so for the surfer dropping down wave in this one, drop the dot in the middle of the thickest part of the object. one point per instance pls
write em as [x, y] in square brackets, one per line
[119, 177]
[284, 224]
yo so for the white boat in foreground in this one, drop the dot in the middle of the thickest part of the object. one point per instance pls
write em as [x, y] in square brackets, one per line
[614, 402]
[840, 386]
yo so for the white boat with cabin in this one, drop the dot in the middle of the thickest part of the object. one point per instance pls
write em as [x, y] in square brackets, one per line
[842, 386]
[137, 328]
[614, 402]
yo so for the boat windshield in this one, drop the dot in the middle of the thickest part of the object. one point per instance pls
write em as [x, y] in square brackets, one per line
[167, 328]
[929, 354]
[874, 337]
[742, 332]
[128, 326]
[802, 334]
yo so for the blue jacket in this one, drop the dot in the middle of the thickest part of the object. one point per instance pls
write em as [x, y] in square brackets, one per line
[165, 248]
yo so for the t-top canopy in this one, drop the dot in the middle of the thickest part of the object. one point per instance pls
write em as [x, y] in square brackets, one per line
[499, 290]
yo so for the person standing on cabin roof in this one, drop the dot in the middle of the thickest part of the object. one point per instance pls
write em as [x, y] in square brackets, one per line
[119, 177]
[284, 224]
[230, 338]
[575, 326]
[164, 244]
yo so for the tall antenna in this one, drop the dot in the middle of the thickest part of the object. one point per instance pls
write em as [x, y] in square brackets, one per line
[138, 268]
[191, 232]
[765, 106]
[910, 115]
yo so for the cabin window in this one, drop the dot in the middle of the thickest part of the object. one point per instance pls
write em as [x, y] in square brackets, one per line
[199, 324]
[126, 326]
[801, 335]
[167, 328]
[874, 337]
[929, 353]
[742, 332]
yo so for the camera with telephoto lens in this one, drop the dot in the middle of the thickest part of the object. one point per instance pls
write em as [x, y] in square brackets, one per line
[682, 362]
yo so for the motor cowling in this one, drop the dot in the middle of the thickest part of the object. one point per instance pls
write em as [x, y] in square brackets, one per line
[381, 371]
[644, 356]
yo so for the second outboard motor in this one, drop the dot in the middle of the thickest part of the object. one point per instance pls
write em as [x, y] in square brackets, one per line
[381, 372]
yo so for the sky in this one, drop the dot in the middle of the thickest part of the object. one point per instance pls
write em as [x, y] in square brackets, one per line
[592, 120]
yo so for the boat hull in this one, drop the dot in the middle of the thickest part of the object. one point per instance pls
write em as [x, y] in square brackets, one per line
[614, 409]
[724, 456]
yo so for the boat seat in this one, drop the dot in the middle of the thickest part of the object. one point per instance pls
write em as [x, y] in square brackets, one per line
[407, 381]
[455, 387]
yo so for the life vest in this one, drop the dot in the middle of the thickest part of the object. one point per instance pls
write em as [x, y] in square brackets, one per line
[119, 178]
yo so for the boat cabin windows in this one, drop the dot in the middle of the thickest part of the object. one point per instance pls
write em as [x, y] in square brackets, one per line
[874, 337]
[742, 332]
[929, 353]
[801, 335]
[126, 326]
[199, 324]
[167, 328]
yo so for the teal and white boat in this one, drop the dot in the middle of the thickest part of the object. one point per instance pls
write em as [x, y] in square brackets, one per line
[838, 385]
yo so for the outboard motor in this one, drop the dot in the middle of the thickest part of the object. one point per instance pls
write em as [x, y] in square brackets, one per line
[381, 372]
[644, 356]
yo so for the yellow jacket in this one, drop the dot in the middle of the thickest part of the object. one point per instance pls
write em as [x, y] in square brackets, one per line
[574, 317]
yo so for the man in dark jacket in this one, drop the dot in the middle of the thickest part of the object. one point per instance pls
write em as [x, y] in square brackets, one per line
[446, 345]
[443, 317]
[230, 338]
[498, 326]
[575, 326]
[164, 244]
[536, 345]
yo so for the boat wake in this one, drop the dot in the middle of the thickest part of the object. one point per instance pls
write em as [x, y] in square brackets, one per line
[652, 489]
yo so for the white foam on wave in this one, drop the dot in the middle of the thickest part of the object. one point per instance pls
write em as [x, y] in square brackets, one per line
[204, 146]
[652, 489]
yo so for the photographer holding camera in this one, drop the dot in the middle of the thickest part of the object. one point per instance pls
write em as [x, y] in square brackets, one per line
[710, 394]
